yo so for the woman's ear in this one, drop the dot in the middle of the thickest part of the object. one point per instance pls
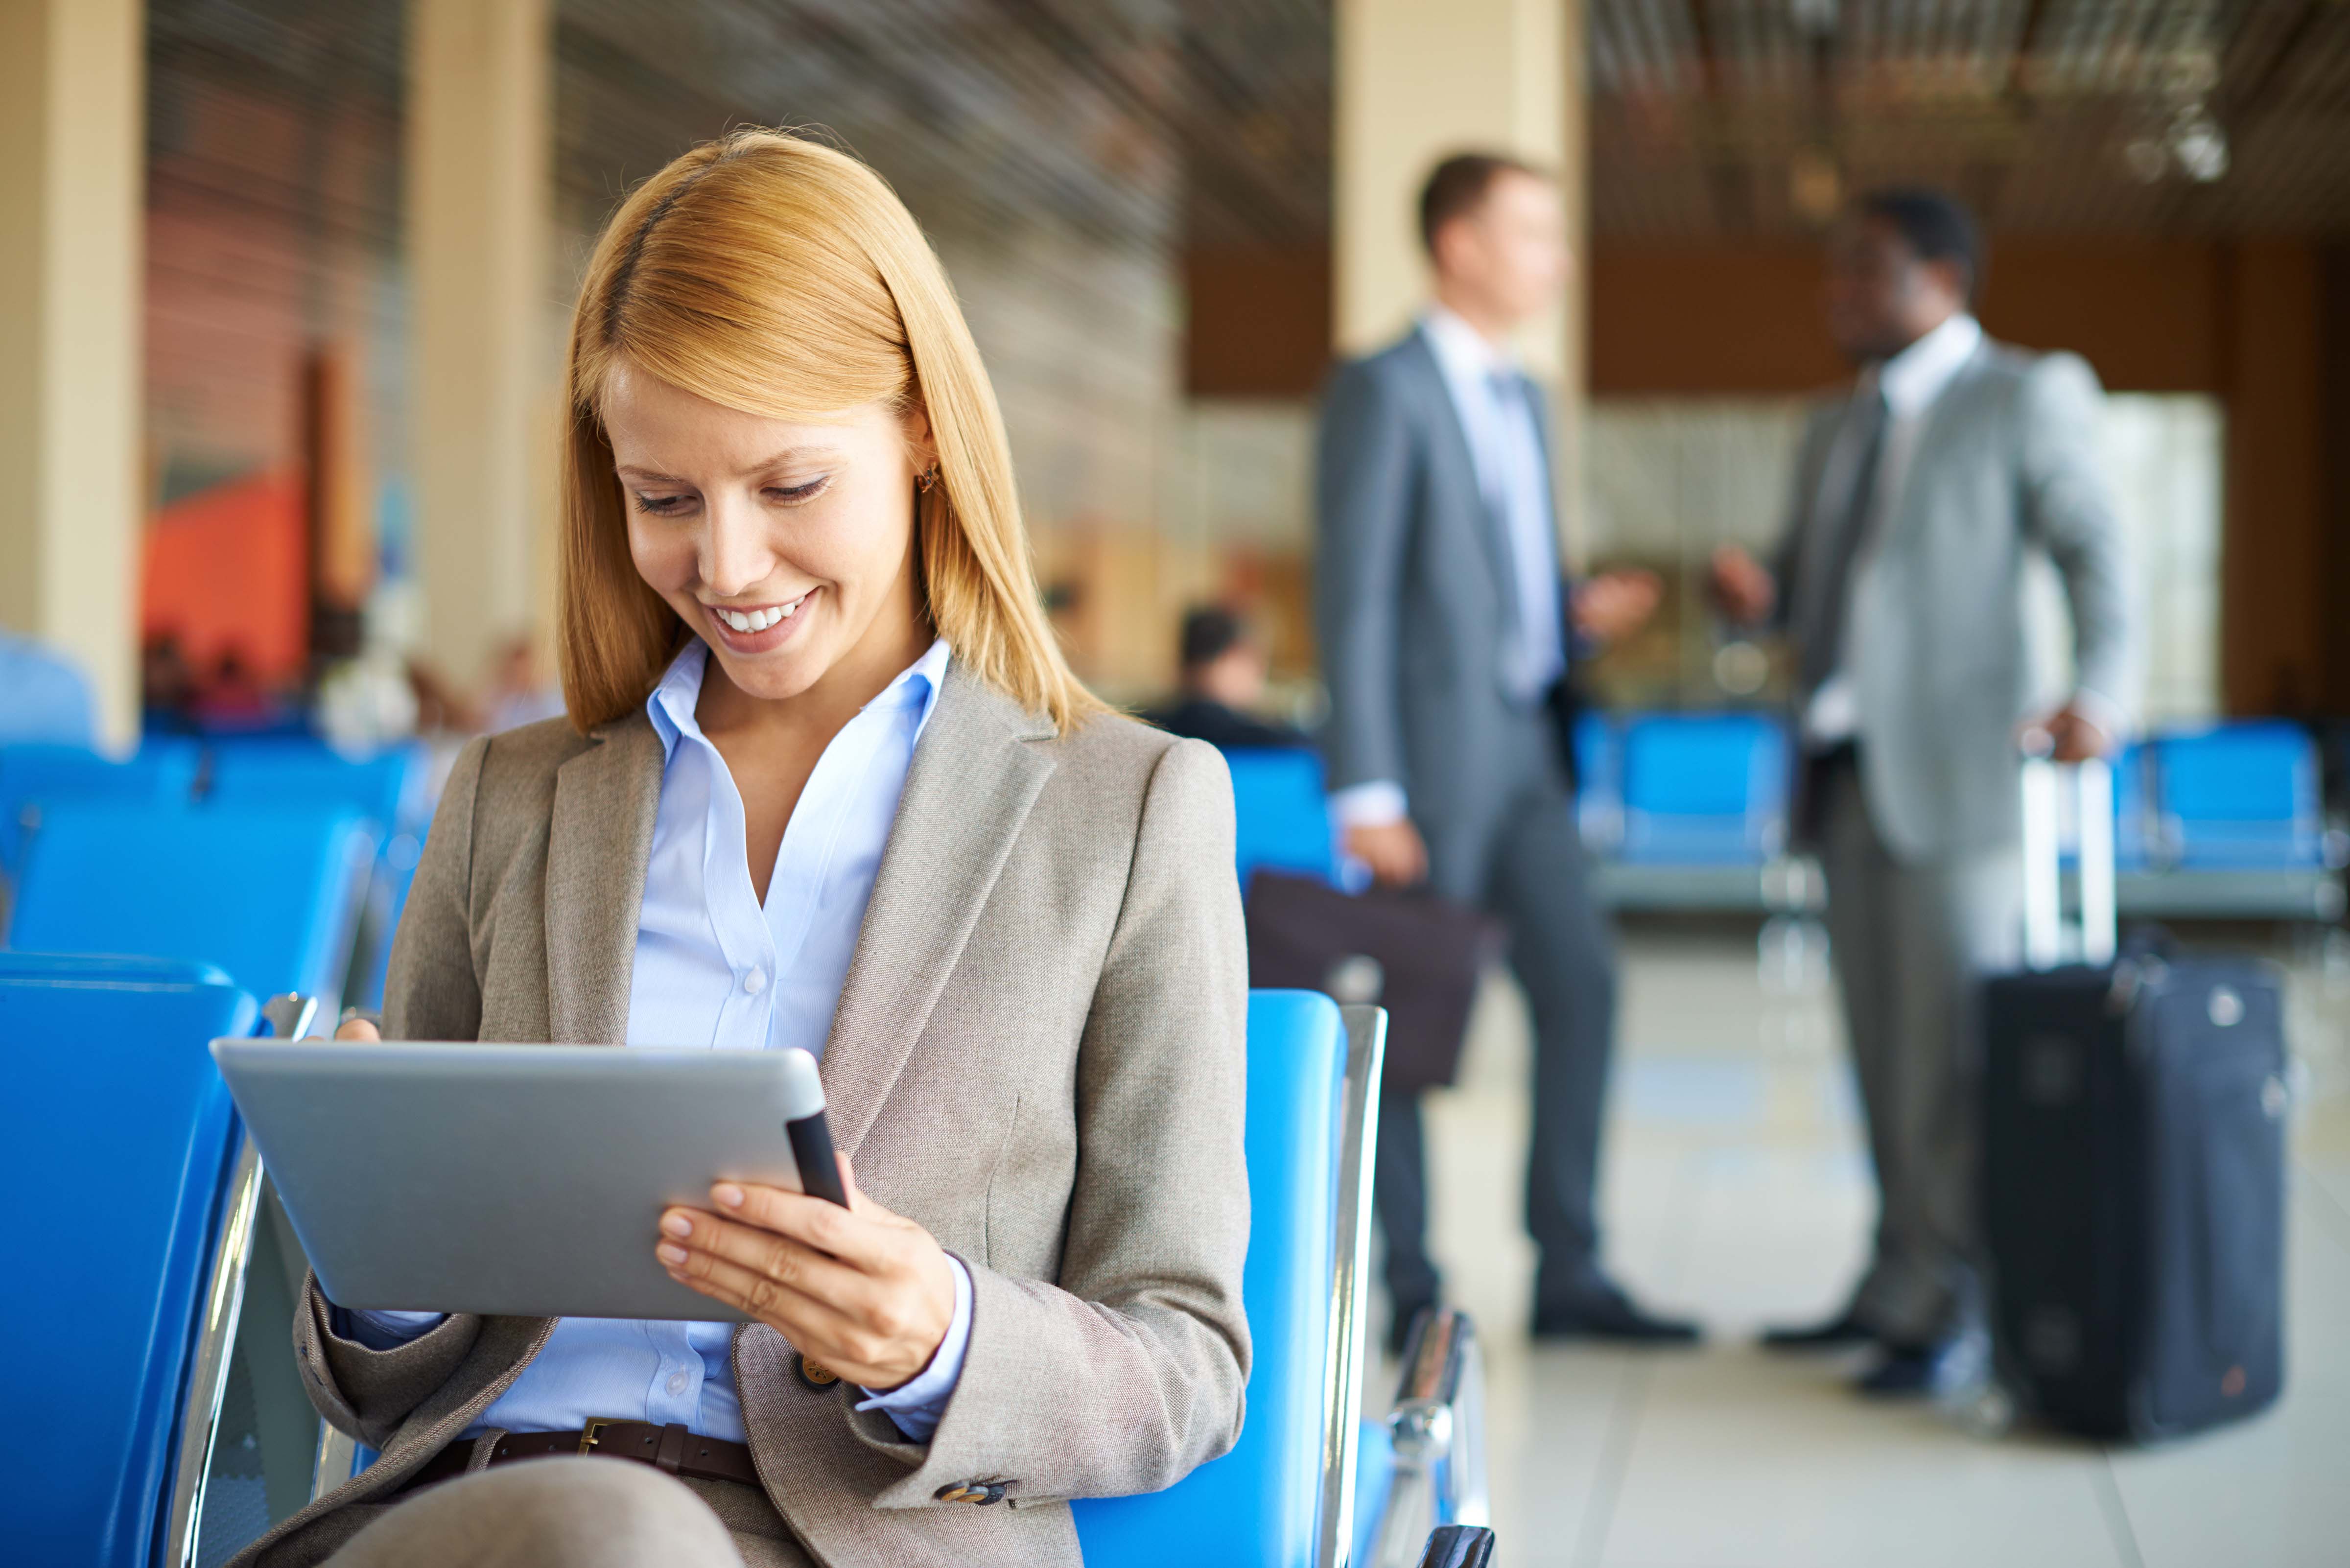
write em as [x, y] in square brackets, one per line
[921, 451]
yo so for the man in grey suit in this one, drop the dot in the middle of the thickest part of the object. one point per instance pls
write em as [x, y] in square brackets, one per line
[1920, 494]
[1446, 633]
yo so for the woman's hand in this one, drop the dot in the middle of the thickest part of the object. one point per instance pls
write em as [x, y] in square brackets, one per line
[860, 1291]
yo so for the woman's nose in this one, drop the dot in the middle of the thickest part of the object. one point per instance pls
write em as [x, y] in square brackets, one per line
[734, 554]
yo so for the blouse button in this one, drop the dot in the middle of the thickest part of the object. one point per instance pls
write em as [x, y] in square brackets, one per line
[755, 982]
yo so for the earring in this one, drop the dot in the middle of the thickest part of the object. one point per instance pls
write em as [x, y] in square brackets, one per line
[928, 479]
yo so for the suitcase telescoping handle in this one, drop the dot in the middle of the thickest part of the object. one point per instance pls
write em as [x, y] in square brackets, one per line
[2044, 944]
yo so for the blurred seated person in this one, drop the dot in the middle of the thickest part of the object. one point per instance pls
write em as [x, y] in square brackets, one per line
[43, 695]
[236, 698]
[167, 686]
[1224, 670]
[520, 693]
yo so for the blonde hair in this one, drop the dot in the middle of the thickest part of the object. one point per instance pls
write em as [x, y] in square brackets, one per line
[772, 274]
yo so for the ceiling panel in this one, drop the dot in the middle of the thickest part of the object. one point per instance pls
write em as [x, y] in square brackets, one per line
[1718, 117]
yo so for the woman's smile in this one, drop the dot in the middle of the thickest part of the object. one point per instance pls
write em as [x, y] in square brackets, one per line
[759, 629]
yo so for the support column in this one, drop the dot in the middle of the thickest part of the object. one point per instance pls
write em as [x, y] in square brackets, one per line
[1418, 79]
[480, 195]
[73, 118]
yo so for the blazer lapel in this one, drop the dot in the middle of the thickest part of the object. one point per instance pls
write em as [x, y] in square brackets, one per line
[976, 772]
[597, 844]
[1452, 436]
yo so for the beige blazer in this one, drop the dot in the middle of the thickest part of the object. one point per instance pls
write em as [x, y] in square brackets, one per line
[1038, 1054]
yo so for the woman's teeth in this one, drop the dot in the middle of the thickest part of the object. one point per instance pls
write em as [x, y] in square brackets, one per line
[758, 620]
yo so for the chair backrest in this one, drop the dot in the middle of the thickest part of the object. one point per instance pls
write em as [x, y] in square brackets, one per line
[387, 787]
[114, 1108]
[2241, 795]
[1598, 780]
[1280, 813]
[269, 895]
[1704, 788]
[2133, 826]
[34, 777]
[1258, 1505]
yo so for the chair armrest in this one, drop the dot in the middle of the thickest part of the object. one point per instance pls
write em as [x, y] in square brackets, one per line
[1437, 1428]
[1458, 1546]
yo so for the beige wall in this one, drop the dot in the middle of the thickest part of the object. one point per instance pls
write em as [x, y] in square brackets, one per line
[73, 123]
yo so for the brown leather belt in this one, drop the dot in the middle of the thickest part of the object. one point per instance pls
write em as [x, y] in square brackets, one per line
[672, 1448]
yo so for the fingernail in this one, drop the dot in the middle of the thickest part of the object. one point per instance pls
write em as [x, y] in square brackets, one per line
[677, 1225]
[667, 1253]
[728, 1195]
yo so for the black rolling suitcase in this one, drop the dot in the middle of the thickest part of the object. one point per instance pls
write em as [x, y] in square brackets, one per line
[2133, 1162]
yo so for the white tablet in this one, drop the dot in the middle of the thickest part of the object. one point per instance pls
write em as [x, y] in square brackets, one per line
[519, 1179]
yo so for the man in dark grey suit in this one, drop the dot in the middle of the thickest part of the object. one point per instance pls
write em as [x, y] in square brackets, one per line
[1920, 494]
[1446, 633]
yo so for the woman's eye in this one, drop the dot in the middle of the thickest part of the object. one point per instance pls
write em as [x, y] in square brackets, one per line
[790, 494]
[663, 505]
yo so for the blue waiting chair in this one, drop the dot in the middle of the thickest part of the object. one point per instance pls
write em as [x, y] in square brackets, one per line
[1704, 789]
[270, 896]
[1280, 813]
[1309, 1484]
[1294, 1492]
[34, 777]
[387, 788]
[120, 1113]
[2136, 835]
[1598, 750]
[2240, 796]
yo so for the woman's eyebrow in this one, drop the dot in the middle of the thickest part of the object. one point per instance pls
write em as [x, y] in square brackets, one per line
[788, 455]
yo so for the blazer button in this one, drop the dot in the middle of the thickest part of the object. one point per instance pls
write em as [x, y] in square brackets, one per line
[815, 1375]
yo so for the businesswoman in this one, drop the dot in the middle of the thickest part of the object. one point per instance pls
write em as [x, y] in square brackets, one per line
[825, 783]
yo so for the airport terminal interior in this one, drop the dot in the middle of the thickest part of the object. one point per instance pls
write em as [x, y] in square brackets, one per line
[282, 376]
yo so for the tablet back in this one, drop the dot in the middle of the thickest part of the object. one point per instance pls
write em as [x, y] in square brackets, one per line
[516, 1180]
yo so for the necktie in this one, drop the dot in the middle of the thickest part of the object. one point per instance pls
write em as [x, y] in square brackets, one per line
[1828, 559]
[1533, 650]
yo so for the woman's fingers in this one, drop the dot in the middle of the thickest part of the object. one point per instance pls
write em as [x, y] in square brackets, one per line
[811, 1324]
[816, 1328]
[857, 1235]
[778, 1257]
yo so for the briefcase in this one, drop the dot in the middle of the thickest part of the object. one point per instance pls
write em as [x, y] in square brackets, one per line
[2133, 1164]
[1411, 952]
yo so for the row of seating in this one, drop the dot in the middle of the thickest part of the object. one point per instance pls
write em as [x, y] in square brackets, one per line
[168, 1381]
[1691, 811]
[133, 856]
[177, 1430]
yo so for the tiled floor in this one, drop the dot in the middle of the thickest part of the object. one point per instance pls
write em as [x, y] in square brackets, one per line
[1735, 1191]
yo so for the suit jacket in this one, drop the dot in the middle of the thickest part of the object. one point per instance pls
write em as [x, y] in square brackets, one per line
[1037, 1054]
[1412, 591]
[2006, 464]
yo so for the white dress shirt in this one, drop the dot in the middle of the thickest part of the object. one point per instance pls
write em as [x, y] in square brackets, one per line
[1911, 382]
[1494, 400]
[715, 968]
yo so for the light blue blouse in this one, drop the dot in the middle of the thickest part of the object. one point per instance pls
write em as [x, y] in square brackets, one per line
[715, 968]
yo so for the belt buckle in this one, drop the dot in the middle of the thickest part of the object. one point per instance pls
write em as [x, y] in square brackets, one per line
[590, 1433]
